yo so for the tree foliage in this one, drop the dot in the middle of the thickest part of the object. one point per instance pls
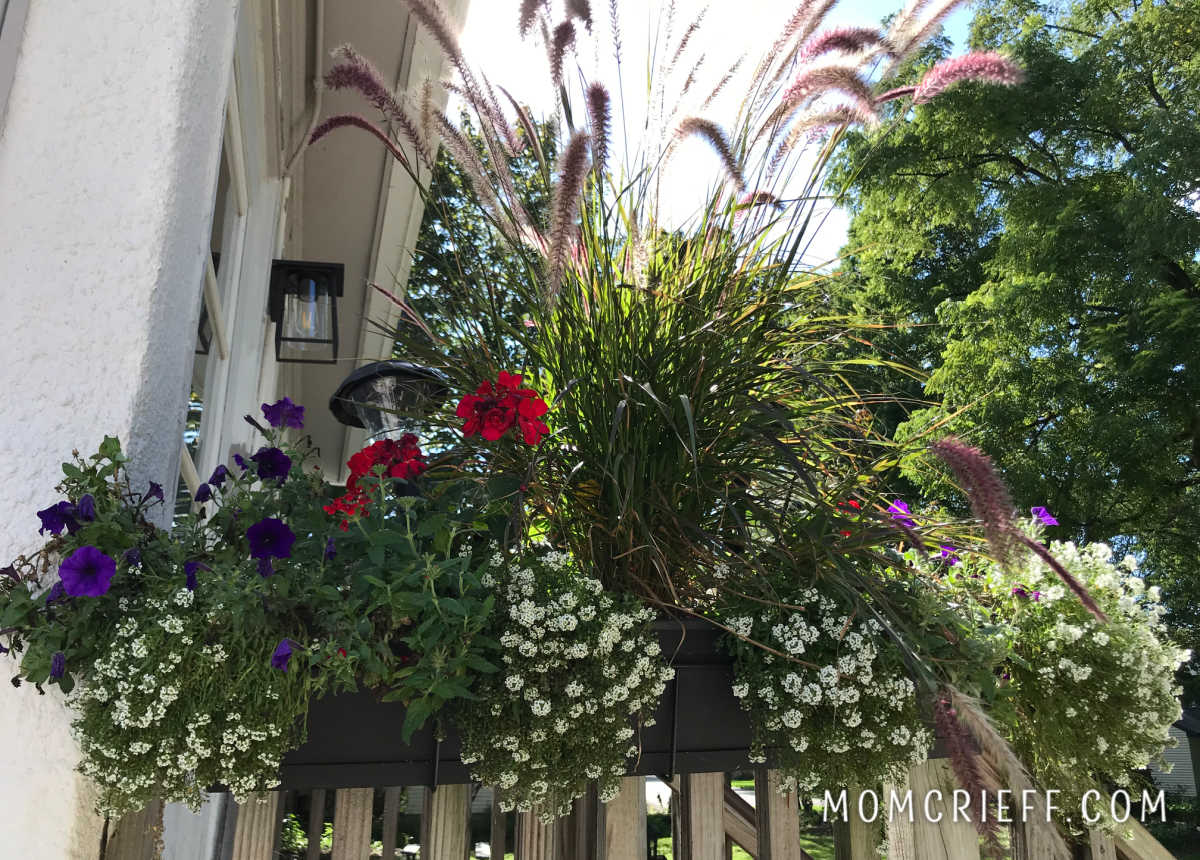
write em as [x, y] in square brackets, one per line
[1036, 252]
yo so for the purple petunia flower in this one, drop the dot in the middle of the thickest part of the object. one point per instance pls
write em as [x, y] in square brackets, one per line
[155, 491]
[900, 512]
[133, 557]
[58, 664]
[330, 549]
[219, 475]
[283, 653]
[86, 507]
[1043, 516]
[58, 517]
[265, 568]
[87, 572]
[203, 493]
[189, 570]
[270, 538]
[272, 463]
[56, 593]
[284, 413]
[241, 462]
[950, 554]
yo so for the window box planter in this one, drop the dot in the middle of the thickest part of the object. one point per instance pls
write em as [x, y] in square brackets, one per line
[354, 739]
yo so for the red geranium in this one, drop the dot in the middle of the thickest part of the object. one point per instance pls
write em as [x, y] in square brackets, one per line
[493, 410]
[400, 459]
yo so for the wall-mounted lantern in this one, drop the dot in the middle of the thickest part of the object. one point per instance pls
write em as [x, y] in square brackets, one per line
[378, 396]
[303, 305]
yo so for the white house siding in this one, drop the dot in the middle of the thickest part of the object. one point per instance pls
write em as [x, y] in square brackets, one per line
[1183, 770]
[108, 158]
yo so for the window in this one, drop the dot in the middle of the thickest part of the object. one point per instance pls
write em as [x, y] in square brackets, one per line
[211, 361]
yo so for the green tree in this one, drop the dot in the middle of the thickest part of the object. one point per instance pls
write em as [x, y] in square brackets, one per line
[1036, 252]
[458, 249]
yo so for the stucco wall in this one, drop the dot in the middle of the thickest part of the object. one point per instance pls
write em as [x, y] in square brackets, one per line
[108, 158]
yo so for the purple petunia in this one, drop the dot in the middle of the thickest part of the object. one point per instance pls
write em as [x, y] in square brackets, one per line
[284, 413]
[86, 507]
[219, 475]
[241, 462]
[58, 517]
[283, 653]
[1020, 592]
[1043, 516]
[270, 538]
[189, 571]
[133, 557]
[330, 549]
[56, 593]
[87, 572]
[950, 554]
[272, 463]
[155, 491]
[203, 493]
[58, 664]
[900, 512]
[265, 568]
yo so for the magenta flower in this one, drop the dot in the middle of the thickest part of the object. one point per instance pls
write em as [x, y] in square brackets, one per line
[87, 572]
[900, 512]
[270, 538]
[272, 463]
[283, 653]
[284, 413]
[1043, 516]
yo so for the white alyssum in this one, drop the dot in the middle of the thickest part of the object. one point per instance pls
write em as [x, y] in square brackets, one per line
[581, 670]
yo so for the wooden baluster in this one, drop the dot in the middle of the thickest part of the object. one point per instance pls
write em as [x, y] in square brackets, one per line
[864, 835]
[624, 821]
[499, 837]
[703, 807]
[1101, 845]
[257, 826]
[899, 824]
[778, 818]
[535, 840]
[352, 808]
[391, 811]
[316, 824]
[447, 816]
[945, 839]
[138, 835]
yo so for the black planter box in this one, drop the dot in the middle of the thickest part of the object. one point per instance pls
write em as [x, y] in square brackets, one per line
[354, 739]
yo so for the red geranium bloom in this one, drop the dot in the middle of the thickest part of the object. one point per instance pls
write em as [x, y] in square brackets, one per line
[493, 410]
[399, 458]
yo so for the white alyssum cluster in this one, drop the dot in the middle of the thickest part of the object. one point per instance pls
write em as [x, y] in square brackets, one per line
[162, 712]
[838, 709]
[579, 670]
[1102, 694]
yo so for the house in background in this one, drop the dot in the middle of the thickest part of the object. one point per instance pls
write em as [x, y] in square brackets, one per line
[1184, 758]
[151, 171]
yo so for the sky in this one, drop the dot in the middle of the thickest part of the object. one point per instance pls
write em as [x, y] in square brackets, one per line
[731, 27]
